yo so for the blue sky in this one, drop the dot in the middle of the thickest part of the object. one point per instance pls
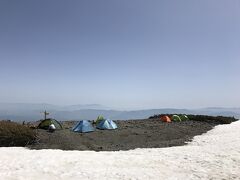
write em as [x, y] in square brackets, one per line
[129, 54]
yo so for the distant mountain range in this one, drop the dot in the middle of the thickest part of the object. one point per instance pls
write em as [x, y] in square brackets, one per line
[32, 112]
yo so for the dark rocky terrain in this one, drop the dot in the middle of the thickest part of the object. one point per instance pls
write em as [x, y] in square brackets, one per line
[131, 134]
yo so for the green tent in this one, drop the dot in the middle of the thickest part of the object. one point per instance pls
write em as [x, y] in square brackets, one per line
[176, 118]
[44, 124]
[184, 117]
[99, 119]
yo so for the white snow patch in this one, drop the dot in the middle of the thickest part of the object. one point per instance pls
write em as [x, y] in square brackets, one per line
[214, 155]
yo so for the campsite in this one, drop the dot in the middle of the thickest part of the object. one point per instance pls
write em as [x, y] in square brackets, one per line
[129, 134]
[103, 134]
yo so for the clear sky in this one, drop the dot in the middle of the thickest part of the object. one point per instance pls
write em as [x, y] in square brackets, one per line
[121, 53]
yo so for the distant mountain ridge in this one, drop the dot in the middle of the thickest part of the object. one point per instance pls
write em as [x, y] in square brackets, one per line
[32, 112]
[43, 106]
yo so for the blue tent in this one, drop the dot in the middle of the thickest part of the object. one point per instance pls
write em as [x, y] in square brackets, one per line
[107, 124]
[83, 126]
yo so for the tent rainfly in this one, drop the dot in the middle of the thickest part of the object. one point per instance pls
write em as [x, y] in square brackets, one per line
[184, 117]
[99, 119]
[83, 127]
[175, 118]
[107, 124]
[165, 119]
[44, 124]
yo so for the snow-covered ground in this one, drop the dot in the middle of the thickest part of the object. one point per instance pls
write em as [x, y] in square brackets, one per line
[214, 155]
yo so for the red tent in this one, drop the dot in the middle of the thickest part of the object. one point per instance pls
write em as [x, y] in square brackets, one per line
[165, 119]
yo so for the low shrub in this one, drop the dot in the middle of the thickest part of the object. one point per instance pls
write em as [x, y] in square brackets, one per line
[203, 118]
[216, 119]
[14, 134]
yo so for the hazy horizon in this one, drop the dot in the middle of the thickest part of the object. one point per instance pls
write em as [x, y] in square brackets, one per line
[104, 107]
[131, 54]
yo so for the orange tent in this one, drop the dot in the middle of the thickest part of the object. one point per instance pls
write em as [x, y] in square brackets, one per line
[165, 119]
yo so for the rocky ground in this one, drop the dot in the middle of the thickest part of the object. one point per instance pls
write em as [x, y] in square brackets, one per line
[131, 134]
